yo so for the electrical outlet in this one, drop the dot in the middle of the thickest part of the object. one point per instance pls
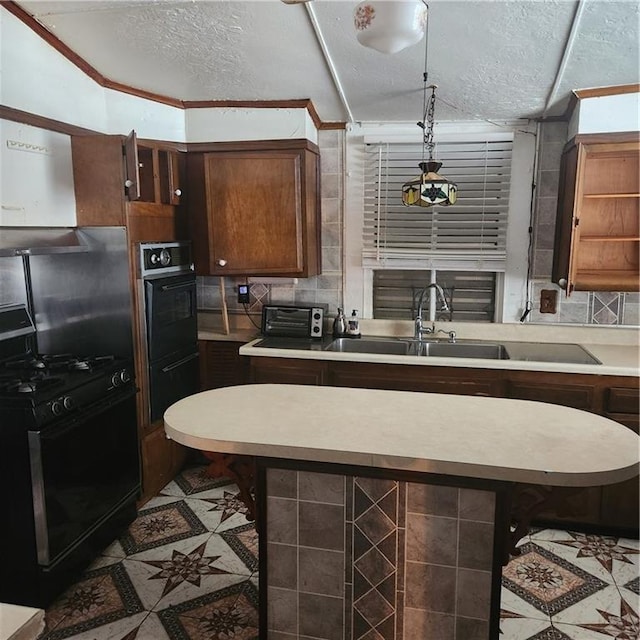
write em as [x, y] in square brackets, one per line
[243, 294]
[548, 301]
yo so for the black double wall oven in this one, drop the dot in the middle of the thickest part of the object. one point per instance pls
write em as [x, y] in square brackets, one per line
[171, 323]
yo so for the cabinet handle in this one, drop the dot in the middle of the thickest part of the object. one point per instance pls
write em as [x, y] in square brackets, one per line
[177, 192]
[562, 283]
[128, 183]
[221, 263]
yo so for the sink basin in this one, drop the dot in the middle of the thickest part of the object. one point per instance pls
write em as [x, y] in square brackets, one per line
[464, 350]
[368, 345]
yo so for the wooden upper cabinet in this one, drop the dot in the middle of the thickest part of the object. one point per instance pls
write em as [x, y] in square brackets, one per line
[598, 223]
[254, 209]
[111, 171]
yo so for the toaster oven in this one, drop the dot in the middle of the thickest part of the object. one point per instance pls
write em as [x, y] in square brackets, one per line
[293, 321]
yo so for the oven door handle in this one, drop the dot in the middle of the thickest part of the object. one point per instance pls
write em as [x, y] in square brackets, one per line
[179, 363]
[178, 285]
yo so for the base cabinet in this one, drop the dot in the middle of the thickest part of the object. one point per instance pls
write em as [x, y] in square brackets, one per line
[610, 509]
[221, 365]
[162, 459]
[285, 371]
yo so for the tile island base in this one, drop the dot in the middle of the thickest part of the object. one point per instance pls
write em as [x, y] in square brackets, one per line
[397, 527]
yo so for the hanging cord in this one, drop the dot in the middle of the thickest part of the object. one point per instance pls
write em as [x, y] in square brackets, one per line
[528, 306]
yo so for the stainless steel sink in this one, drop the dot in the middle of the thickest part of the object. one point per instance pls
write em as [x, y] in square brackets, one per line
[464, 350]
[517, 351]
[370, 345]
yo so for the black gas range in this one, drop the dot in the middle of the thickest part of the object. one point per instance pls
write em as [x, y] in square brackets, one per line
[69, 461]
[50, 387]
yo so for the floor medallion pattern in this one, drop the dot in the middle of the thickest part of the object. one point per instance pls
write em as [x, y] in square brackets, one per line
[187, 570]
[101, 597]
[546, 581]
[161, 525]
[226, 614]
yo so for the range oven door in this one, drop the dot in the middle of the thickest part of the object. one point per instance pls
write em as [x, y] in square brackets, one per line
[171, 314]
[82, 471]
[172, 379]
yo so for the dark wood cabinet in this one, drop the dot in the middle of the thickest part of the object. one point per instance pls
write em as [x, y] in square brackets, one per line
[613, 508]
[221, 365]
[465, 382]
[597, 239]
[112, 172]
[254, 208]
[162, 459]
[122, 181]
[578, 396]
[288, 371]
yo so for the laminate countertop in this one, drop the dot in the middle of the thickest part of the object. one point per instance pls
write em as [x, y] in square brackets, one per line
[476, 437]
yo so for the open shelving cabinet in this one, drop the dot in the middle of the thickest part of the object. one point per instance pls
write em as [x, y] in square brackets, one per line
[598, 225]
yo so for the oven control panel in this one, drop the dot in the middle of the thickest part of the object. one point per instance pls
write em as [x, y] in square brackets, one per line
[157, 258]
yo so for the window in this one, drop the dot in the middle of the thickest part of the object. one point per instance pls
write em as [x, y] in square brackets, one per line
[471, 234]
[470, 295]
[485, 232]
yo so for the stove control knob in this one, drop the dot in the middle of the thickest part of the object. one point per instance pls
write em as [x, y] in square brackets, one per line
[68, 403]
[125, 376]
[115, 380]
[57, 408]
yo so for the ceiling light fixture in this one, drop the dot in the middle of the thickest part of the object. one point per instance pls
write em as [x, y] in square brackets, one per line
[390, 27]
[429, 188]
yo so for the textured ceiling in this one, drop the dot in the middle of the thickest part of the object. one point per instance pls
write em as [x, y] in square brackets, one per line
[491, 60]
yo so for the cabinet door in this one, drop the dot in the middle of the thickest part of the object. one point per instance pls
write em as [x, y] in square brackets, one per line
[99, 180]
[598, 228]
[565, 220]
[285, 371]
[255, 212]
[162, 459]
[169, 171]
[221, 365]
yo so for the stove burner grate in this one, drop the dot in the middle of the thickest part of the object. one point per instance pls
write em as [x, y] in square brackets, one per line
[35, 383]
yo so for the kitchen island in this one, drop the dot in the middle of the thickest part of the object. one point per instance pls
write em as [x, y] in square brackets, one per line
[392, 510]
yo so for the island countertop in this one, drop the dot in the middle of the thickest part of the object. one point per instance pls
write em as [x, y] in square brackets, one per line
[477, 437]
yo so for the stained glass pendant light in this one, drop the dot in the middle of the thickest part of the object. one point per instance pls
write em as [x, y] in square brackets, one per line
[429, 188]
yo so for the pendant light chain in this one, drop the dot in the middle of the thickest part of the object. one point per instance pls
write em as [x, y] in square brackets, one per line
[428, 134]
[427, 138]
[429, 188]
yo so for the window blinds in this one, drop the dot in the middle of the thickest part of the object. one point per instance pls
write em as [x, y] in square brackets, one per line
[470, 234]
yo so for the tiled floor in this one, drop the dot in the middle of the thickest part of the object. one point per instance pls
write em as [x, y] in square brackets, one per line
[187, 570]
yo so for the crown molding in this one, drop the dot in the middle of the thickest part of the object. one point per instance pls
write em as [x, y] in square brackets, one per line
[53, 41]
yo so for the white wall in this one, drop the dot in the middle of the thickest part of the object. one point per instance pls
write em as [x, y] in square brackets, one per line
[226, 124]
[606, 114]
[36, 177]
[37, 188]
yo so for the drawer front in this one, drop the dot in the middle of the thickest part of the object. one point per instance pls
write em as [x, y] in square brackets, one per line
[576, 396]
[622, 400]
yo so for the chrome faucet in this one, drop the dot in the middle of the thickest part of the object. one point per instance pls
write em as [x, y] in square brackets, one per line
[419, 330]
